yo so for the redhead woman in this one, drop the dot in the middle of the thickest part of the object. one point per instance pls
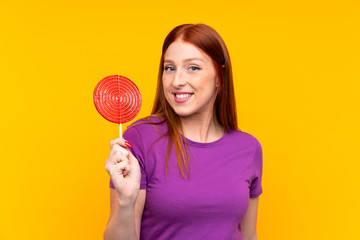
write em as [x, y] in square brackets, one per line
[187, 172]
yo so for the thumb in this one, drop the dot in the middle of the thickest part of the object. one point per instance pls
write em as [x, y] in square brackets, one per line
[134, 164]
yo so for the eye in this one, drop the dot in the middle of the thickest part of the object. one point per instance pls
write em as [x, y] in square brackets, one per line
[194, 68]
[169, 69]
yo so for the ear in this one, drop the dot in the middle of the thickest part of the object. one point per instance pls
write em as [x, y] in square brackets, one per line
[217, 82]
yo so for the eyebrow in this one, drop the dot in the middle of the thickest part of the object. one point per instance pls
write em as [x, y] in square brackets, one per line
[186, 60]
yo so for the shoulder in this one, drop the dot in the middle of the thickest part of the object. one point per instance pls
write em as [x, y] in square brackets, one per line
[250, 144]
[243, 138]
[146, 127]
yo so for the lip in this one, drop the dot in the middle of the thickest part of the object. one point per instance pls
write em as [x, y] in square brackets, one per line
[182, 100]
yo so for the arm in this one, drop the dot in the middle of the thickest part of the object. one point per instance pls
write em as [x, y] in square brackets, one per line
[124, 221]
[126, 199]
[248, 224]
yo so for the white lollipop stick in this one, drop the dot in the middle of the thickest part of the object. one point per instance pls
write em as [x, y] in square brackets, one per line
[120, 130]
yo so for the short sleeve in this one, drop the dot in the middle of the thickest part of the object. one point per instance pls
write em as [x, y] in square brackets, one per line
[132, 135]
[256, 187]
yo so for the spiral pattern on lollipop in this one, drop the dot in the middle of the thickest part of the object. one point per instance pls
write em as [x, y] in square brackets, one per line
[117, 99]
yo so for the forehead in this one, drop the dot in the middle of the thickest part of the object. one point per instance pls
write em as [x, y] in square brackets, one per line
[181, 50]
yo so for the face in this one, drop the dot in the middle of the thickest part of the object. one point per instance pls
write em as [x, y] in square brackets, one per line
[189, 80]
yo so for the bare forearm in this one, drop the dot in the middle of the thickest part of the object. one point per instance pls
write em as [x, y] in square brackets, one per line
[121, 225]
[250, 238]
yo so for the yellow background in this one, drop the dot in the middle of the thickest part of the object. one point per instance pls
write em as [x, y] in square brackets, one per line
[296, 71]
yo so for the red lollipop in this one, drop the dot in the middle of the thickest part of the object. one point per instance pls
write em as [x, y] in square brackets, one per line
[117, 99]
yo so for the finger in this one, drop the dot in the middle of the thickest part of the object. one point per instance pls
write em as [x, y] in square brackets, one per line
[120, 157]
[120, 141]
[116, 155]
[122, 168]
[118, 149]
[134, 164]
[112, 142]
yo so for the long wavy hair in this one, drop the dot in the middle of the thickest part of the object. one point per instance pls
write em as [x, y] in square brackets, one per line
[208, 40]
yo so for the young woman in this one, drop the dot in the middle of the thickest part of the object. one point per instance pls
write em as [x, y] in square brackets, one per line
[187, 171]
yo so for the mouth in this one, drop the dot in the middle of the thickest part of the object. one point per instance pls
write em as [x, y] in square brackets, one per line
[181, 97]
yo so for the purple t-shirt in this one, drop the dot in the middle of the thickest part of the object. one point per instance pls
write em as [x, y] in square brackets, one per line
[224, 174]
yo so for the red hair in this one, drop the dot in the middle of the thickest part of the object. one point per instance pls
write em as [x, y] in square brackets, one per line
[209, 41]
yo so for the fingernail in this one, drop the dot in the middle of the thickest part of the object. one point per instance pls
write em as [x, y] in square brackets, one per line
[128, 144]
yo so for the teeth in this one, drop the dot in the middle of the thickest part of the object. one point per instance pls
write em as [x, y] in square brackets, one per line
[182, 95]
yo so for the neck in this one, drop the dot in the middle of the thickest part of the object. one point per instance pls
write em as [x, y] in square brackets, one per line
[202, 128]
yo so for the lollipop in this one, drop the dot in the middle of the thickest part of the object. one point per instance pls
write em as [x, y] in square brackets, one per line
[117, 99]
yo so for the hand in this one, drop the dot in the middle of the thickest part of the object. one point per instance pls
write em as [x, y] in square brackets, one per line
[124, 171]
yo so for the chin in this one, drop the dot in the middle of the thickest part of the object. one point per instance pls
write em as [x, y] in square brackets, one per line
[182, 112]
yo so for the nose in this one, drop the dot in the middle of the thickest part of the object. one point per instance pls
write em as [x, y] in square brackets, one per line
[179, 79]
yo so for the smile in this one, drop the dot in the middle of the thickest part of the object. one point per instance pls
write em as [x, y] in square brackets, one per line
[182, 97]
